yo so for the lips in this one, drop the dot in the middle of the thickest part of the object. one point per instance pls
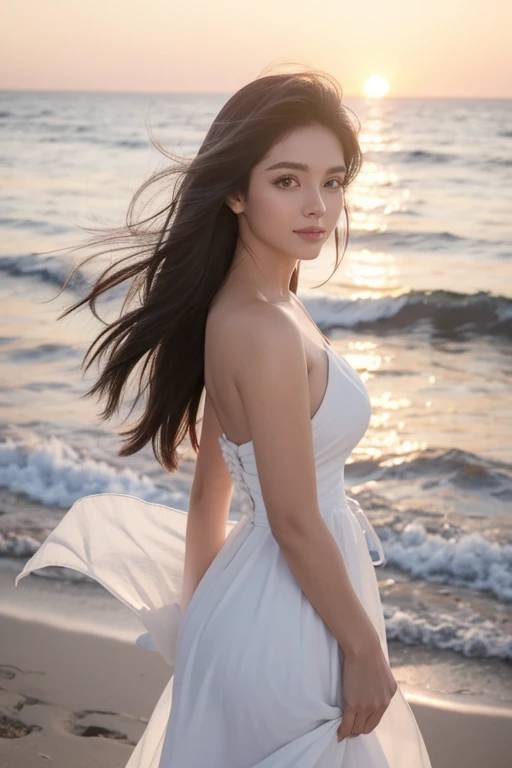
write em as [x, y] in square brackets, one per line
[311, 230]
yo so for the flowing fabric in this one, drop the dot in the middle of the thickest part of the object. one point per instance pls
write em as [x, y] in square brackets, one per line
[256, 678]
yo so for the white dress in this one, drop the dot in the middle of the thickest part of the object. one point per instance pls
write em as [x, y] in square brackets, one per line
[256, 679]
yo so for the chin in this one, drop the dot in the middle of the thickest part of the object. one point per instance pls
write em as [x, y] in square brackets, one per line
[308, 253]
[310, 256]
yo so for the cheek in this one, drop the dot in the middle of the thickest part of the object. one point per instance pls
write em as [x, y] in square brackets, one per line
[273, 208]
[336, 208]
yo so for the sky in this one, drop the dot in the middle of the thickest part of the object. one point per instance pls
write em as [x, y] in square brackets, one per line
[434, 48]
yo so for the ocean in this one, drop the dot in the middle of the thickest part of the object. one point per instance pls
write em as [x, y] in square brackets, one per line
[420, 306]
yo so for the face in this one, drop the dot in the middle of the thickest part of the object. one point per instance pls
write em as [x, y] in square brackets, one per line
[297, 185]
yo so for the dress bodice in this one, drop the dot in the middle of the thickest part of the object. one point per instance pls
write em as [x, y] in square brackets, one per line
[338, 425]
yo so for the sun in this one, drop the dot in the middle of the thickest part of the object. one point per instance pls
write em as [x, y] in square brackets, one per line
[376, 86]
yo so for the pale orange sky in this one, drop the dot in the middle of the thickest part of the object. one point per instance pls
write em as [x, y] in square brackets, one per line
[457, 48]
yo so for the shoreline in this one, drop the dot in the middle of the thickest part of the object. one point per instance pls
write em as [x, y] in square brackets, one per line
[87, 607]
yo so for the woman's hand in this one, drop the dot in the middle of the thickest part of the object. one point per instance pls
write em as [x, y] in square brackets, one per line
[368, 686]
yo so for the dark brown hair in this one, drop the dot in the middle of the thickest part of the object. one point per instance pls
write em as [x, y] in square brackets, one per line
[179, 257]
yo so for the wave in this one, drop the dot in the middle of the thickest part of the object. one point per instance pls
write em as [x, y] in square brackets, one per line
[13, 544]
[436, 467]
[432, 241]
[52, 472]
[48, 269]
[472, 637]
[448, 313]
[471, 560]
[48, 352]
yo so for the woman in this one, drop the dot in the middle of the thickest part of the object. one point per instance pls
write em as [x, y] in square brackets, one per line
[275, 632]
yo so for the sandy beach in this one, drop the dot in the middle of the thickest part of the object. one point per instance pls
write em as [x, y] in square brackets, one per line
[74, 699]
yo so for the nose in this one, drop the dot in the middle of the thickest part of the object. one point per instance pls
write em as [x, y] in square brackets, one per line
[314, 206]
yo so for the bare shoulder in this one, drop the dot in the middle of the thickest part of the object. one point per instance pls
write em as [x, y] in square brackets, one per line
[268, 366]
[256, 328]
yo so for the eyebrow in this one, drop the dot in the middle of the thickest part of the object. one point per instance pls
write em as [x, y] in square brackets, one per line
[302, 167]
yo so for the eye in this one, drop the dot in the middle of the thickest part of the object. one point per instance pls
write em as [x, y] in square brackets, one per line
[284, 178]
[340, 182]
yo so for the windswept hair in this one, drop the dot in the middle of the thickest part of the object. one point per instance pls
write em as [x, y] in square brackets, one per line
[178, 258]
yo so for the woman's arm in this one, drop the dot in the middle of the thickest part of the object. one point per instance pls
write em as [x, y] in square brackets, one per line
[210, 497]
[272, 379]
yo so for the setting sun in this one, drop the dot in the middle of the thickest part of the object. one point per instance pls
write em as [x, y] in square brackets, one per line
[376, 86]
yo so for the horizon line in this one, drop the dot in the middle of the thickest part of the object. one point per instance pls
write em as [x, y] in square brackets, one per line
[229, 93]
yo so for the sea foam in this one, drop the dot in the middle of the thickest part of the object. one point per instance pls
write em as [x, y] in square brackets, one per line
[54, 473]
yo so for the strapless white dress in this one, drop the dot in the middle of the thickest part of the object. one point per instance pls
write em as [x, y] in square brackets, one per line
[256, 679]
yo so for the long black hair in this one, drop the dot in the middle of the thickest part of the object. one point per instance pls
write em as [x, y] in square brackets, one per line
[178, 258]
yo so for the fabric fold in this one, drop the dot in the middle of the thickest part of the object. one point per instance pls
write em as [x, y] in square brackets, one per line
[134, 549]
